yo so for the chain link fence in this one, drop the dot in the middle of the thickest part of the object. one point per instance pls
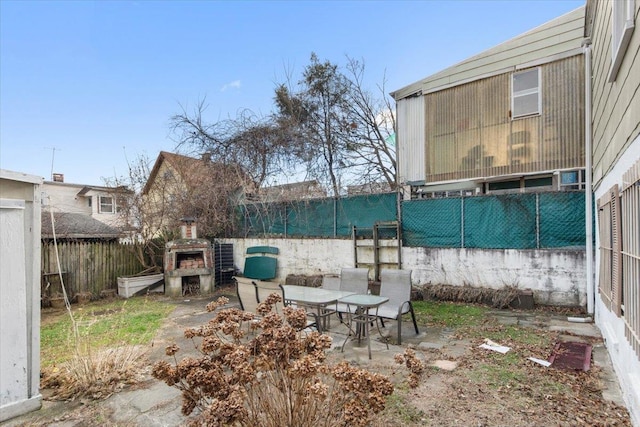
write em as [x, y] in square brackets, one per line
[332, 217]
[514, 221]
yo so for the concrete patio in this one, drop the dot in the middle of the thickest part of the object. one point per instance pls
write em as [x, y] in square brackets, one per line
[152, 403]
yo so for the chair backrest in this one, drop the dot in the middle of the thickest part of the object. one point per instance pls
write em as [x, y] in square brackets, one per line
[395, 285]
[247, 294]
[261, 265]
[354, 280]
[264, 289]
[331, 281]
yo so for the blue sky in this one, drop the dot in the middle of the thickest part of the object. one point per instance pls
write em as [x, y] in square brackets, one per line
[99, 81]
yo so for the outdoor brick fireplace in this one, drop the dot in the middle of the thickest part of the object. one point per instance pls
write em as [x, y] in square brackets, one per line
[188, 263]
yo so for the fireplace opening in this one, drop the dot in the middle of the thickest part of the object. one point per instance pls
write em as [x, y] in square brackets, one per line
[190, 260]
[190, 285]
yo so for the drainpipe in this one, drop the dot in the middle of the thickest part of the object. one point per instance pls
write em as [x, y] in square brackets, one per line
[586, 44]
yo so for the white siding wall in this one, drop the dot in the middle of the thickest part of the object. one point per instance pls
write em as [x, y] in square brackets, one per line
[63, 198]
[410, 139]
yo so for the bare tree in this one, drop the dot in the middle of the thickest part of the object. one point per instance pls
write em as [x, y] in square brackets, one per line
[319, 112]
[347, 133]
[260, 148]
[373, 128]
[145, 227]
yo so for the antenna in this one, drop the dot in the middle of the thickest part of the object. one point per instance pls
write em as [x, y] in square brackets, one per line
[53, 155]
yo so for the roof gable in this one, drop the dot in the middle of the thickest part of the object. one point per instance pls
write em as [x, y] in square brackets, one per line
[192, 171]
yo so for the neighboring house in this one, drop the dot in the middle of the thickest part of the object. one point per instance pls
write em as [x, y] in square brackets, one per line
[615, 149]
[19, 294]
[510, 119]
[84, 208]
[181, 186]
[369, 188]
[293, 191]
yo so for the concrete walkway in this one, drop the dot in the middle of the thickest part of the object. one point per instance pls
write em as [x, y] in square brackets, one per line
[155, 404]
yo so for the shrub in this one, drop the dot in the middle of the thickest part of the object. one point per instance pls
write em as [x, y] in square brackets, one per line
[280, 377]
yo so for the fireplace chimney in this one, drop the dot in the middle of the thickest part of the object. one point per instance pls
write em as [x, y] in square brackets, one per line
[188, 228]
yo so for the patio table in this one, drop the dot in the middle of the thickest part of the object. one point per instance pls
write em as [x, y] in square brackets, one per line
[316, 298]
[362, 317]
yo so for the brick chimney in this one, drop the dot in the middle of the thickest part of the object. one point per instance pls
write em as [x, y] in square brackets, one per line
[188, 228]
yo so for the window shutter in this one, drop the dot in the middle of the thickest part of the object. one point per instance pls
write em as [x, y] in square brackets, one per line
[605, 248]
[616, 256]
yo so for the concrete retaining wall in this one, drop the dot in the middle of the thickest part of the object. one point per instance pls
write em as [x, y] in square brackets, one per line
[556, 277]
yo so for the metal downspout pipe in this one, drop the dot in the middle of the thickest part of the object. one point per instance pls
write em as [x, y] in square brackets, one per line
[588, 175]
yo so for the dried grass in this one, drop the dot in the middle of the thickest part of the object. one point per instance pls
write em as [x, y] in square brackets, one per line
[96, 375]
[497, 298]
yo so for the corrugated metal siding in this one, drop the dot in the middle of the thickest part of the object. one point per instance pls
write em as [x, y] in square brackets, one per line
[411, 146]
[469, 133]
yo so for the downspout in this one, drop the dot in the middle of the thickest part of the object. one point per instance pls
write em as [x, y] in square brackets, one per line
[588, 173]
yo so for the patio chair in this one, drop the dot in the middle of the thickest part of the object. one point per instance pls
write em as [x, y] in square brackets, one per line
[331, 282]
[264, 289]
[247, 294]
[396, 285]
[355, 280]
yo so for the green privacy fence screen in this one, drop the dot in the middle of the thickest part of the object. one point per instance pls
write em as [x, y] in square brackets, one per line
[318, 217]
[515, 221]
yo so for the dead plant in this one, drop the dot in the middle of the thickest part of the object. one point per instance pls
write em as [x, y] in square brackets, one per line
[278, 378]
[498, 298]
[95, 375]
[415, 366]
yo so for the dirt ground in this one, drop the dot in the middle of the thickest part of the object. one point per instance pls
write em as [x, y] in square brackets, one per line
[462, 396]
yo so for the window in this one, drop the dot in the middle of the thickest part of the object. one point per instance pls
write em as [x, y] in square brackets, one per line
[106, 204]
[621, 29]
[572, 180]
[523, 184]
[525, 93]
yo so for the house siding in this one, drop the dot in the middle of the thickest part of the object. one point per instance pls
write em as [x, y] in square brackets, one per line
[64, 198]
[616, 106]
[616, 151]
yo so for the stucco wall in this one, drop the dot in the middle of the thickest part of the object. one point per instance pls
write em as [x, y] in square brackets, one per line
[556, 277]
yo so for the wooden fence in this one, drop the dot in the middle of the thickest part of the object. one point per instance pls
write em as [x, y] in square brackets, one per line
[86, 266]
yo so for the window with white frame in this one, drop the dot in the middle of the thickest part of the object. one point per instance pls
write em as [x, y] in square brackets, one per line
[622, 24]
[106, 204]
[526, 99]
